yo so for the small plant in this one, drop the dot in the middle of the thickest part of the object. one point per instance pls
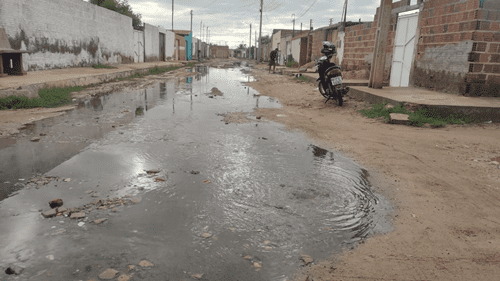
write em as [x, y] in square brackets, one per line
[97, 66]
[191, 64]
[418, 118]
[139, 111]
[51, 97]
[301, 78]
[158, 70]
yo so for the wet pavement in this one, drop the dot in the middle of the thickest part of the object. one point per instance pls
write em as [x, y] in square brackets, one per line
[229, 201]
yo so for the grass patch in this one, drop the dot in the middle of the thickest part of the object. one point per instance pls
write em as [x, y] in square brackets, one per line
[158, 70]
[301, 78]
[97, 66]
[191, 64]
[48, 98]
[418, 118]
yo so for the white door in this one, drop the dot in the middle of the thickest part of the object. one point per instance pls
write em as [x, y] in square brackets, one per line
[404, 45]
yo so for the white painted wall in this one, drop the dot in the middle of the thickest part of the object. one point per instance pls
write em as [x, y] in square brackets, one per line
[61, 33]
[152, 34]
[275, 40]
[340, 46]
[296, 49]
[169, 45]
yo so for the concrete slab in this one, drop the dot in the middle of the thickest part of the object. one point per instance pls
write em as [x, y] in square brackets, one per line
[479, 108]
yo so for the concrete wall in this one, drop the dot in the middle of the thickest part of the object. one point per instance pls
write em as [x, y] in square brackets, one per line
[61, 33]
[275, 40]
[152, 35]
[169, 45]
[296, 49]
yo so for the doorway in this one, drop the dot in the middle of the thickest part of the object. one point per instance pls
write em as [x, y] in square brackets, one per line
[404, 46]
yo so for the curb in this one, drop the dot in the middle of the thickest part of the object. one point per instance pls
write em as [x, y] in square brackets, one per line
[31, 90]
[481, 114]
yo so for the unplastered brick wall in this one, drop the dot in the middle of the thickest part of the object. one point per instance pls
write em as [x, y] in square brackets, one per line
[446, 40]
[62, 33]
[483, 77]
[359, 43]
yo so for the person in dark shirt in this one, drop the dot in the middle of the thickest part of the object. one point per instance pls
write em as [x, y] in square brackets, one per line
[272, 60]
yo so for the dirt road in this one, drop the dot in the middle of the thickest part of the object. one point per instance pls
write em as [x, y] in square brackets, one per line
[443, 182]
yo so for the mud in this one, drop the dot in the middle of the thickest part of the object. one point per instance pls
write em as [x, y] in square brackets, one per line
[236, 201]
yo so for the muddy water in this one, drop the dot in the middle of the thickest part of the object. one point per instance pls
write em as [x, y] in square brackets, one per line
[260, 191]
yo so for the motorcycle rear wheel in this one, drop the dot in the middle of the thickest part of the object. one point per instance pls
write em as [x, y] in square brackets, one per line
[338, 95]
[321, 90]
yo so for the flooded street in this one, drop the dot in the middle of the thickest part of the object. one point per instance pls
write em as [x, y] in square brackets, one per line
[228, 195]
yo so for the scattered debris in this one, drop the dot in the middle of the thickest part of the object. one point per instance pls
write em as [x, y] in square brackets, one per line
[49, 213]
[100, 220]
[247, 257]
[88, 191]
[257, 265]
[50, 257]
[145, 263]
[124, 277]
[108, 274]
[306, 259]
[80, 224]
[232, 229]
[258, 117]
[216, 92]
[206, 235]
[206, 181]
[56, 203]
[268, 248]
[267, 242]
[78, 215]
[14, 270]
[35, 139]
[67, 180]
[195, 172]
[40, 180]
[197, 276]
[159, 179]
[152, 172]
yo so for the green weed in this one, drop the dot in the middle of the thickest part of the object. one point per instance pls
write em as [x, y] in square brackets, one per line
[97, 66]
[48, 98]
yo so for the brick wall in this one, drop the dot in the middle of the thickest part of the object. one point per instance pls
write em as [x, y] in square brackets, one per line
[219, 51]
[457, 49]
[483, 77]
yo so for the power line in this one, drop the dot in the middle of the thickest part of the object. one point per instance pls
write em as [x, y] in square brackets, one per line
[309, 8]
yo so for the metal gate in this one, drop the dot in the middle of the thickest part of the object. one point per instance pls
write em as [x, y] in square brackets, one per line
[404, 46]
[162, 47]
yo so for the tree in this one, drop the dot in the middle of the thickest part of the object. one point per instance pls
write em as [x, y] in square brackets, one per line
[122, 7]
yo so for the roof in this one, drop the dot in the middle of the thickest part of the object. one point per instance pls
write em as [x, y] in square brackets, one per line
[182, 32]
[5, 46]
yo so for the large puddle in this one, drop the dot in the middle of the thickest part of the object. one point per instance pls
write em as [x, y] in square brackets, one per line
[260, 191]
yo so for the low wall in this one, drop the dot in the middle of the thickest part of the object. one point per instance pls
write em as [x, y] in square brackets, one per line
[61, 33]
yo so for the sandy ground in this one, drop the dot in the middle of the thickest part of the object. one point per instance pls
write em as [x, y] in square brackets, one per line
[443, 184]
[444, 187]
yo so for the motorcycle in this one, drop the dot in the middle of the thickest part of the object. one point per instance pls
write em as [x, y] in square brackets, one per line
[330, 75]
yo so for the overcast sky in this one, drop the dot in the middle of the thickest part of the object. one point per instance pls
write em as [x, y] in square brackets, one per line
[229, 20]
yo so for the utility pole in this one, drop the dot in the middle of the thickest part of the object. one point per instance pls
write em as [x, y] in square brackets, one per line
[293, 32]
[301, 28]
[191, 21]
[206, 39]
[378, 63]
[260, 31]
[250, 43]
[344, 15]
[311, 24]
[255, 40]
[172, 15]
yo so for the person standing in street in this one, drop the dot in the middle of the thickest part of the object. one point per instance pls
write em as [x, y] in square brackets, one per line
[272, 60]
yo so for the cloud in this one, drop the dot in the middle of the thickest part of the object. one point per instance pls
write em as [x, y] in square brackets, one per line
[230, 20]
